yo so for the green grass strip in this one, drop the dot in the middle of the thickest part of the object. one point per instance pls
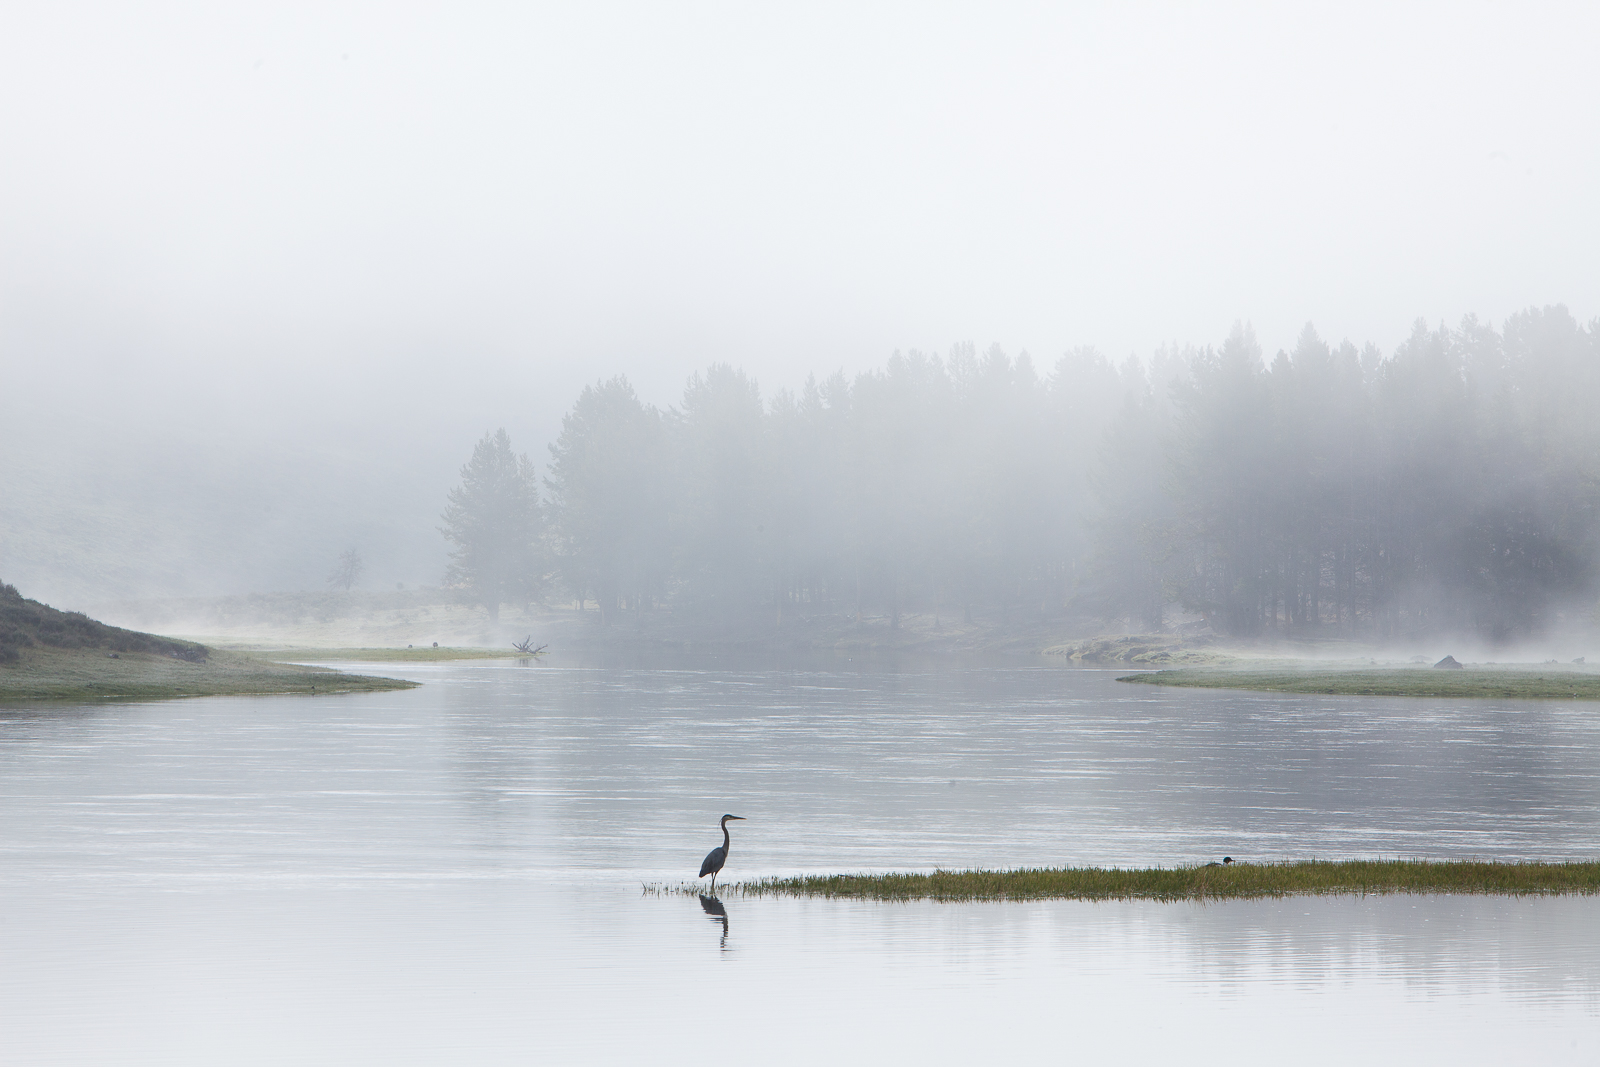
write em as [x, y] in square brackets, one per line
[1504, 683]
[382, 655]
[1236, 881]
[83, 675]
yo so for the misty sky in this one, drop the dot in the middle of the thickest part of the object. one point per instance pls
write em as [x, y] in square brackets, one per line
[360, 236]
[553, 193]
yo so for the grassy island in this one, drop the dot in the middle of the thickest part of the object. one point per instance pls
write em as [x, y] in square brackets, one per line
[1234, 881]
[47, 654]
[1513, 683]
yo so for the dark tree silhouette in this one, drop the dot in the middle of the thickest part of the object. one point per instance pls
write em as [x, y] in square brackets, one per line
[347, 572]
[495, 525]
[1453, 486]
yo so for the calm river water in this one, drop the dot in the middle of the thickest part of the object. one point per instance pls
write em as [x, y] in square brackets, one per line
[454, 874]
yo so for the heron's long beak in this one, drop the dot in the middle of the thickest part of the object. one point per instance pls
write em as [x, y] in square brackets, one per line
[741, 818]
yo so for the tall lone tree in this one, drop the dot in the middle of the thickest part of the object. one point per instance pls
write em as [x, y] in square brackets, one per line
[494, 520]
[347, 572]
[608, 506]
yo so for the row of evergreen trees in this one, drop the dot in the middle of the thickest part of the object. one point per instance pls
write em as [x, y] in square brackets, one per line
[1452, 486]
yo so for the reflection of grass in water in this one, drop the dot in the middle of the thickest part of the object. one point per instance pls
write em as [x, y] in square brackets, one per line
[1239, 880]
[92, 674]
[1506, 683]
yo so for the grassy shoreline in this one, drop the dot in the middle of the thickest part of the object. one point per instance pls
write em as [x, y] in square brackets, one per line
[1237, 881]
[380, 655]
[52, 655]
[1512, 683]
[89, 675]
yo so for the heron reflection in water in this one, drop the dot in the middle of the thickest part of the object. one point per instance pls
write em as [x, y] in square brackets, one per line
[718, 856]
[713, 908]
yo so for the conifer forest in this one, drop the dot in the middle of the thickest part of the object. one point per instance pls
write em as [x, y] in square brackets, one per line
[1448, 486]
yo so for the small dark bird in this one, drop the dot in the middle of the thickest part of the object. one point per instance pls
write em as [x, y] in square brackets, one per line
[718, 856]
[1227, 861]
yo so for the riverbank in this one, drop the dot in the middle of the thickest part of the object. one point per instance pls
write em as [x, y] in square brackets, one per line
[403, 627]
[94, 674]
[1212, 882]
[47, 654]
[1512, 682]
[380, 655]
[333, 625]
[324, 621]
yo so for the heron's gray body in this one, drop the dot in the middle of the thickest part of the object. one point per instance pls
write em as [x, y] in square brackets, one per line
[718, 856]
[714, 861]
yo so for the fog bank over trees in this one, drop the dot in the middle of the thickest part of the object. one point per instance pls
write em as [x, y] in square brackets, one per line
[1451, 486]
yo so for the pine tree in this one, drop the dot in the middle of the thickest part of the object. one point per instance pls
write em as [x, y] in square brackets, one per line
[494, 522]
[608, 498]
[347, 572]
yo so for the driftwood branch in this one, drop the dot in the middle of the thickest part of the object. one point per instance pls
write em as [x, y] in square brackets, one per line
[525, 646]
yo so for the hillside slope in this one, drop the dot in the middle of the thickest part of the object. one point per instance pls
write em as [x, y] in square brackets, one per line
[46, 654]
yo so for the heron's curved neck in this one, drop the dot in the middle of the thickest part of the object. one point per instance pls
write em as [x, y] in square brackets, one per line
[727, 842]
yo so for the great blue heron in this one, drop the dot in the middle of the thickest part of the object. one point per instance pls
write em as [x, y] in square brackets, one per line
[718, 856]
